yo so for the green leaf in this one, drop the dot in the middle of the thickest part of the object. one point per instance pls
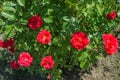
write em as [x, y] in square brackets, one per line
[84, 64]
[100, 9]
[8, 4]
[48, 19]
[19, 28]
[1, 22]
[55, 40]
[89, 6]
[49, 11]
[93, 58]
[64, 25]
[98, 57]
[37, 0]
[9, 9]
[70, 3]
[8, 16]
[8, 32]
[100, 1]
[83, 56]
[66, 18]
[118, 13]
[21, 2]
[1, 57]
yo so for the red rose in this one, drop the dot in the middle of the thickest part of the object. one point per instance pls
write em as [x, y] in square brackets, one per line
[110, 43]
[11, 49]
[14, 65]
[111, 15]
[47, 62]
[2, 44]
[9, 42]
[48, 77]
[79, 40]
[34, 22]
[43, 37]
[24, 59]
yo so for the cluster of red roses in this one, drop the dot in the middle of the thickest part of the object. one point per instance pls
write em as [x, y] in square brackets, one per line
[79, 41]
[24, 58]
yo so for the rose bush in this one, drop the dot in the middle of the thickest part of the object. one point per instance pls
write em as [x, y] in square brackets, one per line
[47, 36]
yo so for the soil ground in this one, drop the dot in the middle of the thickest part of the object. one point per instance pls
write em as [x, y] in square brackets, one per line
[107, 69]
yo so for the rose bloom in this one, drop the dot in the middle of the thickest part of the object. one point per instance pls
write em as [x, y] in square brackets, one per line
[43, 37]
[14, 65]
[47, 62]
[24, 59]
[110, 43]
[2, 44]
[9, 42]
[79, 40]
[34, 22]
[11, 49]
[111, 15]
[48, 77]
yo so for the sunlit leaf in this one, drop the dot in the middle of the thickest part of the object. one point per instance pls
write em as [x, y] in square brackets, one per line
[100, 9]
[84, 64]
[9, 9]
[48, 19]
[8, 4]
[83, 56]
[8, 16]
[21, 2]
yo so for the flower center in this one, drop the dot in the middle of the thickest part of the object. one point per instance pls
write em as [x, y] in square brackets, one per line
[44, 37]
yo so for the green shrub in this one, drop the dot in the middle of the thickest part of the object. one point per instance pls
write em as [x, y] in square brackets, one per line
[51, 35]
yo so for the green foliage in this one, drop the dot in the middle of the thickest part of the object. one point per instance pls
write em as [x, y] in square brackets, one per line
[21, 2]
[61, 18]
